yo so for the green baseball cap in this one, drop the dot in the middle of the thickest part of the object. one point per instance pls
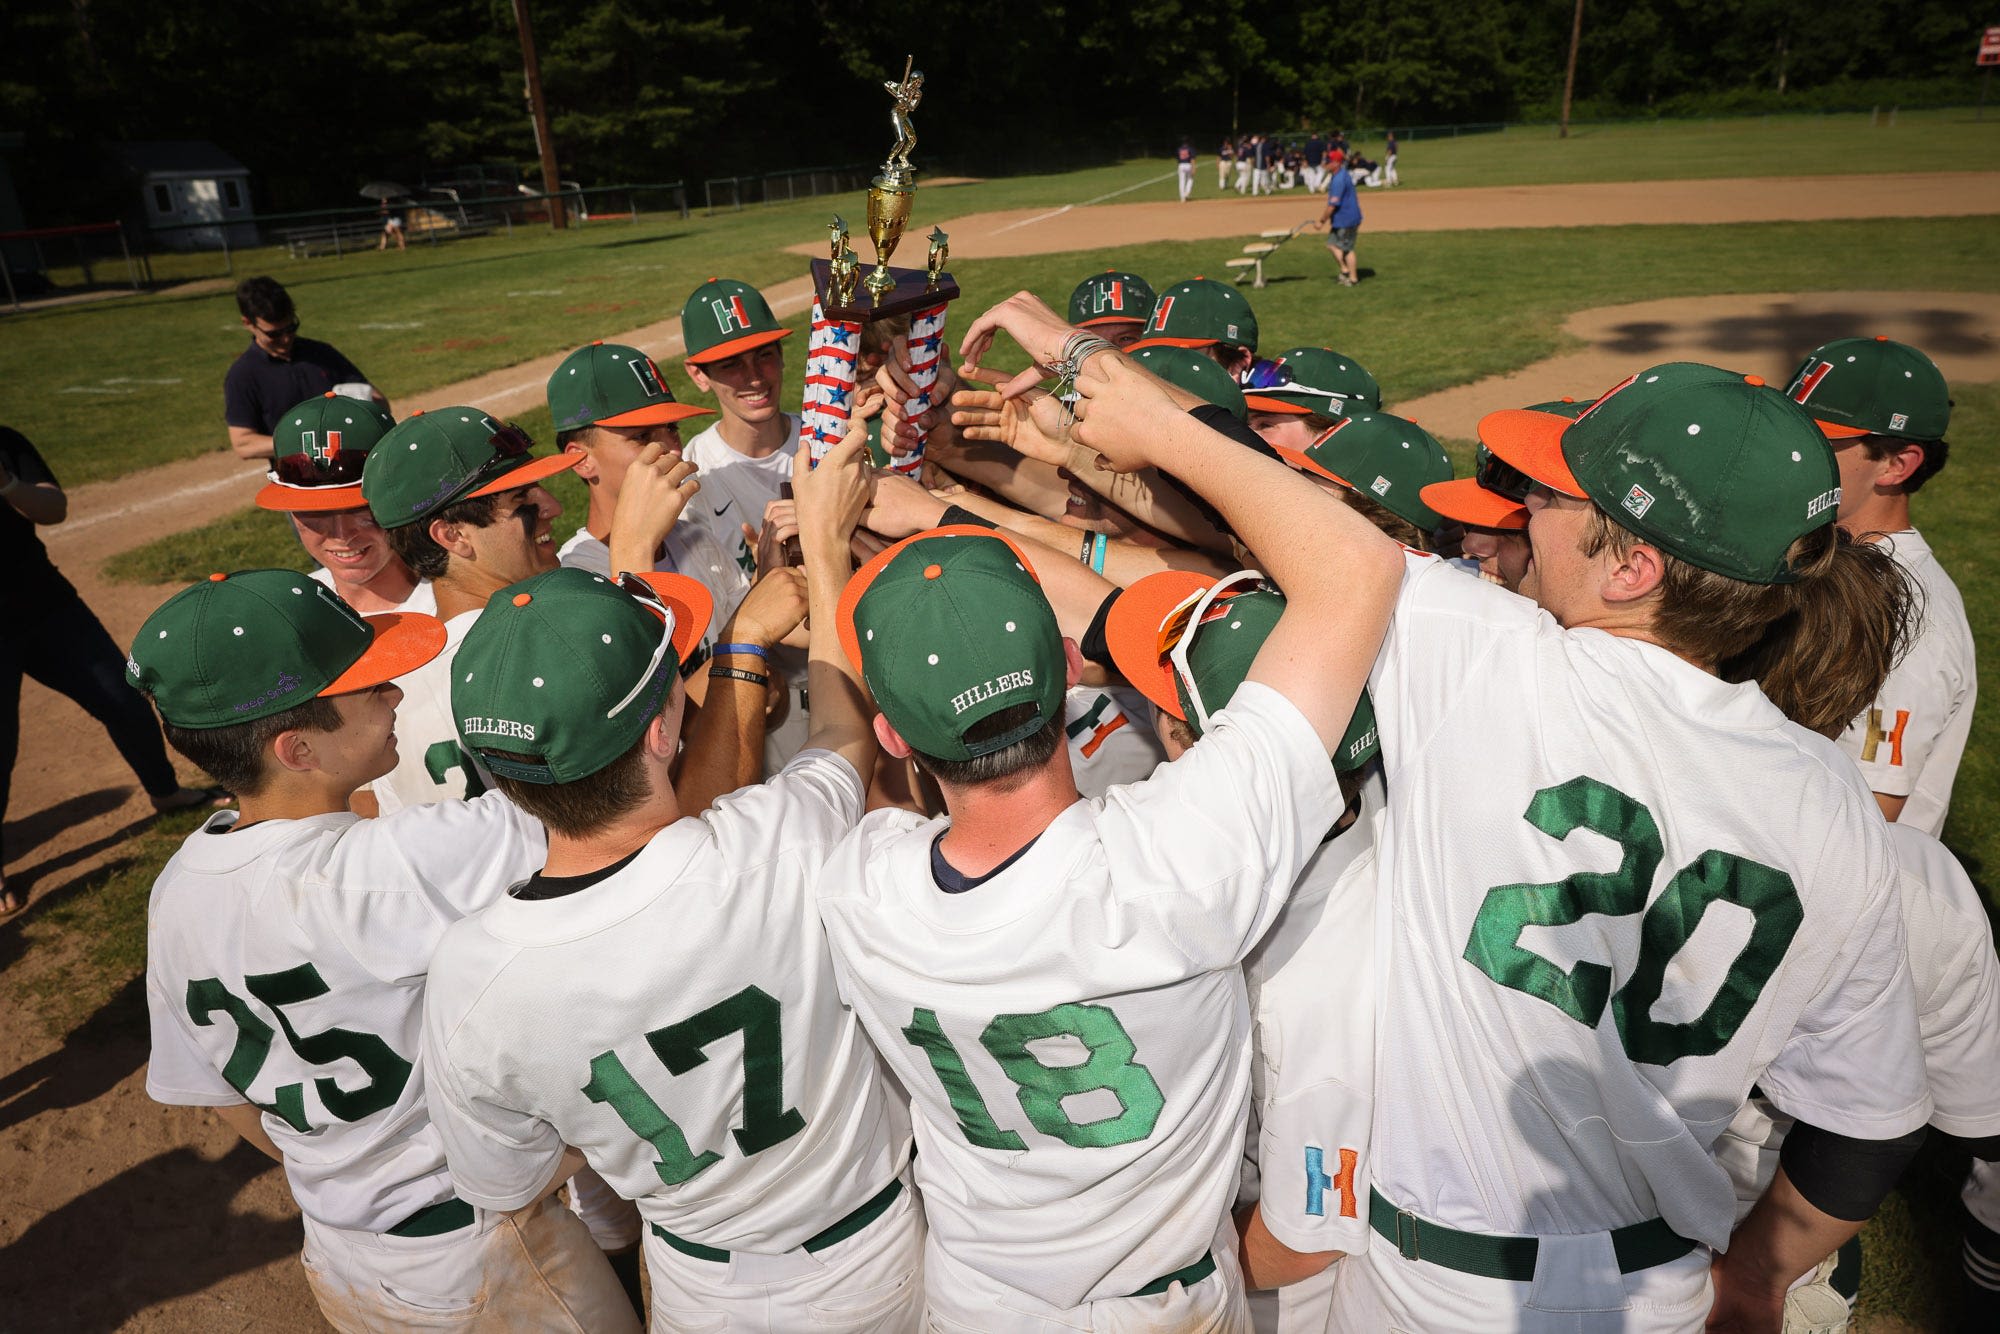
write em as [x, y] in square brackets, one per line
[434, 459]
[561, 673]
[1110, 297]
[1314, 379]
[609, 384]
[1872, 386]
[949, 628]
[1198, 312]
[238, 647]
[317, 450]
[1711, 466]
[1195, 373]
[1150, 619]
[1380, 455]
[723, 317]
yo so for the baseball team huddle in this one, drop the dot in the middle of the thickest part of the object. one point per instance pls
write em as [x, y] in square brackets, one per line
[1176, 860]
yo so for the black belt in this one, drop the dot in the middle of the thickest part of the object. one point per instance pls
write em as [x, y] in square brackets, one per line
[1640, 1246]
[839, 1232]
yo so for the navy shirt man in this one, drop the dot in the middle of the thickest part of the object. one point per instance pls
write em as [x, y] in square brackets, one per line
[279, 370]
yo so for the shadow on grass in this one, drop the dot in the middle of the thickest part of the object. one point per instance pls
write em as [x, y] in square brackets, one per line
[158, 1230]
[637, 240]
[94, 1056]
[1779, 334]
[31, 831]
[14, 940]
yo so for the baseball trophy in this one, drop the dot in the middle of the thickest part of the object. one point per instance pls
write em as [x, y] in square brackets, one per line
[844, 300]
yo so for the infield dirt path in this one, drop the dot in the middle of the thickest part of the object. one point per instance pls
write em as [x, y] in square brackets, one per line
[116, 1213]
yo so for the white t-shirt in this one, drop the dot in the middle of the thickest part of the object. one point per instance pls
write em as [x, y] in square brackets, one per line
[678, 1023]
[735, 488]
[422, 598]
[1111, 737]
[1910, 740]
[691, 550]
[1073, 1030]
[1957, 980]
[285, 966]
[431, 764]
[1570, 1016]
[1312, 1004]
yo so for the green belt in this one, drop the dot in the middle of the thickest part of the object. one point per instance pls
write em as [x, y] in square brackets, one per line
[434, 1220]
[1187, 1277]
[1640, 1246]
[839, 1232]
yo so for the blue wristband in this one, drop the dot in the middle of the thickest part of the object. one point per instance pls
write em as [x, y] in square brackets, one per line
[754, 650]
[1099, 545]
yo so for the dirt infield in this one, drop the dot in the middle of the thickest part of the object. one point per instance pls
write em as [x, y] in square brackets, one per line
[170, 1228]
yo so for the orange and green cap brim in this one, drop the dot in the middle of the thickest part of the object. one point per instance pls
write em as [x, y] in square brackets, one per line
[403, 642]
[1259, 403]
[310, 499]
[1305, 462]
[532, 470]
[1532, 442]
[1465, 500]
[1132, 632]
[725, 350]
[1145, 343]
[655, 414]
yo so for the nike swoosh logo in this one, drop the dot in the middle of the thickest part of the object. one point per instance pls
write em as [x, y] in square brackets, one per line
[724, 510]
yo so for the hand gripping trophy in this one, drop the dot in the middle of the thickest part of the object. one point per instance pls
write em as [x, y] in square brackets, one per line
[839, 310]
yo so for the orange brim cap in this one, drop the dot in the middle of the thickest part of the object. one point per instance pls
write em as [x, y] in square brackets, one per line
[1303, 461]
[1470, 503]
[1132, 632]
[531, 471]
[1532, 442]
[724, 351]
[310, 499]
[655, 414]
[1258, 403]
[404, 641]
[1144, 343]
[693, 607]
[1835, 431]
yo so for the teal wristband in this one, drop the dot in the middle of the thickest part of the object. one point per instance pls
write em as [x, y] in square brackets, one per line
[1099, 545]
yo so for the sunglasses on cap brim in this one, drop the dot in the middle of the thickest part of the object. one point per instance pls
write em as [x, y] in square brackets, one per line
[343, 469]
[1177, 634]
[1502, 478]
[1275, 375]
[645, 593]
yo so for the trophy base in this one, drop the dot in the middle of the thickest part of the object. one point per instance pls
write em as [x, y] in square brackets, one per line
[908, 290]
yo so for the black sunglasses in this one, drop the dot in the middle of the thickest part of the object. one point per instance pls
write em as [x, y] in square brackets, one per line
[282, 331]
[343, 469]
[1501, 477]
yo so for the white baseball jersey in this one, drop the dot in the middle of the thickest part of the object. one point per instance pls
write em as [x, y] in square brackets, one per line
[285, 967]
[422, 598]
[431, 765]
[691, 550]
[1655, 892]
[1957, 981]
[1312, 1004]
[677, 1022]
[1910, 740]
[735, 488]
[1111, 737]
[1073, 1029]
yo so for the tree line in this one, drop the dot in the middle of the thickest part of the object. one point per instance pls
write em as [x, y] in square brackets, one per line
[317, 96]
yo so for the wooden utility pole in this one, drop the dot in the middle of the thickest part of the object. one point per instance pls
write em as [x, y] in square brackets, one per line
[1569, 77]
[538, 108]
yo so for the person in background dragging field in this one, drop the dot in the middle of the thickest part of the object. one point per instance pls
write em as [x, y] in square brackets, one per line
[279, 369]
[1342, 219]
[55, 639]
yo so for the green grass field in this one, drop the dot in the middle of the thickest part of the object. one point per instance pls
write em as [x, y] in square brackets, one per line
[1443, 309]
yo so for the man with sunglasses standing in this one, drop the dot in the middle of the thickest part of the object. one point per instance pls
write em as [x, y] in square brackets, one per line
[461, 499]
[279, 369]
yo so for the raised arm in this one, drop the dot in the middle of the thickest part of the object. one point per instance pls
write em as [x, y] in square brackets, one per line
[830, 499]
